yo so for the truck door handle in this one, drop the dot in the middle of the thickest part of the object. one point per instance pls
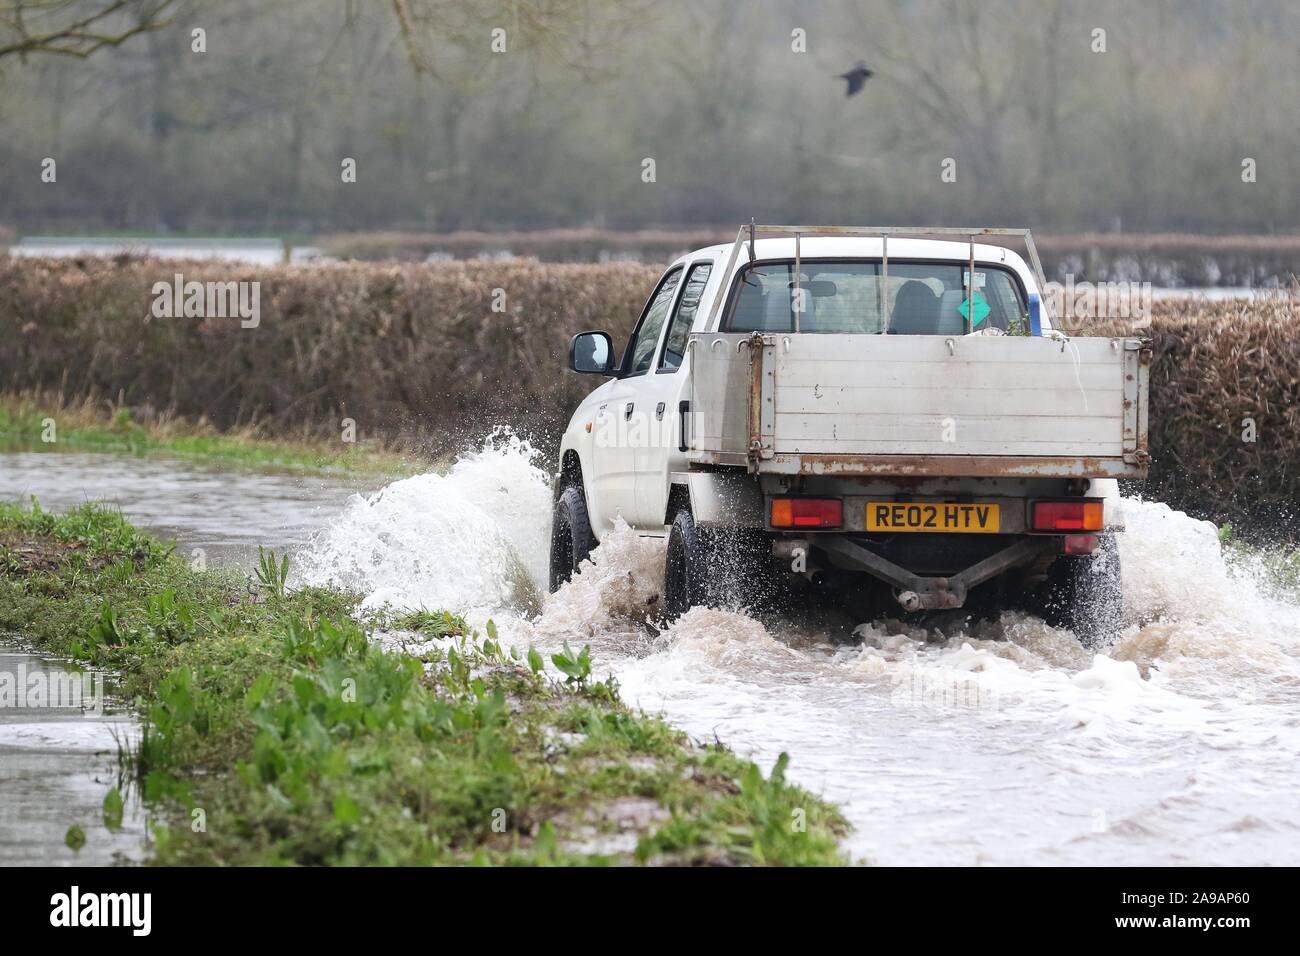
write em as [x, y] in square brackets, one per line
[627, 411]
[682, 408]
[659, 411]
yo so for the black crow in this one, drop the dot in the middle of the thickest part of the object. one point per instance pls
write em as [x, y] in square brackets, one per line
[856, 77]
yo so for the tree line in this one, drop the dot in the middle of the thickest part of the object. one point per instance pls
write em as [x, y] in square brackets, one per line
[307, 116]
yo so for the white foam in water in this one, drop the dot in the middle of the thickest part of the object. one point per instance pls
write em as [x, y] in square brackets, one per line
[998, 742]
[457, 541]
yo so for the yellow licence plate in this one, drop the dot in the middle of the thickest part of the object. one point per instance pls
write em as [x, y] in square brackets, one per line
[934, 516]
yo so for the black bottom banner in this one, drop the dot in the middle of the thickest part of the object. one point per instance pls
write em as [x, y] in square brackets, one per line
[305, 907]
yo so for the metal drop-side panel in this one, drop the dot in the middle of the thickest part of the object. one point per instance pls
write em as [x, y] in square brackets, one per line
[920, 405]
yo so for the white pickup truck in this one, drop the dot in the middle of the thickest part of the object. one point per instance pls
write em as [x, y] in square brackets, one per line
[869, 411]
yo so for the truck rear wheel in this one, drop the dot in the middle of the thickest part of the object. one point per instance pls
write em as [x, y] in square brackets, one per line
[571, 536]
[713, 567]
[1084, 593]
[685, 568]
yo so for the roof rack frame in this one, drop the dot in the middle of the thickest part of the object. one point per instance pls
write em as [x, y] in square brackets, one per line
[751, 232]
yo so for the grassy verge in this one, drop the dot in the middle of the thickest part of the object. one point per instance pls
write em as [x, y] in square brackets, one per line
[276, 731]
[52, 424]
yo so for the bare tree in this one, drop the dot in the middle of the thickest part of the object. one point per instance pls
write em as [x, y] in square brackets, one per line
[75, 28]
[439, 36]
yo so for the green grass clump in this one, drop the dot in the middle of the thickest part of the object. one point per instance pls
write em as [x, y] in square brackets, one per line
[103, 532]
[275, 730]
[431, 623]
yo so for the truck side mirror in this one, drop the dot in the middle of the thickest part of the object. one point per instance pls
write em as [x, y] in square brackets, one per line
[592, 352]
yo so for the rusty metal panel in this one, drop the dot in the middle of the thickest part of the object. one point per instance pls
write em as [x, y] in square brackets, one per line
[754, 350]
[1137, 372]
[1143, 455]
[762, 415]
[957, 466]
[1130, 428]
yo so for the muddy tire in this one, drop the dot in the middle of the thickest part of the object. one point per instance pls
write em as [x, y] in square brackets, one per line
[571, 536]
[1084, 593]
[713, 567]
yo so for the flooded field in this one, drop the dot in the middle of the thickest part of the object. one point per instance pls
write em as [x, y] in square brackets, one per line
[997, 743]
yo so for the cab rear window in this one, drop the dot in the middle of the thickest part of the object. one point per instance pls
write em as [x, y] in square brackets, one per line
[916, 298]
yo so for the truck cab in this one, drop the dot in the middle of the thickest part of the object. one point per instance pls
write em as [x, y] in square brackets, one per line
[875, 410]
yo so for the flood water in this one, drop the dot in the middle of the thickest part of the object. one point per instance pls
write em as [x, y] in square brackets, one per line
[57, 763]
[998, 743]
[265, 252]
[226, 513]
[59, 742]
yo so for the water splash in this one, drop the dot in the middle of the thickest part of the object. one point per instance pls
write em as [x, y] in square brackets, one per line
[1000, 740]
[472, 540]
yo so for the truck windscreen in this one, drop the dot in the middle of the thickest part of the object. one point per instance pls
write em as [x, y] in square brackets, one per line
[852, 296]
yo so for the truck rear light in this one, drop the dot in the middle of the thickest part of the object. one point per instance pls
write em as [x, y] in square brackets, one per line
[1067, 516]
[807, 512]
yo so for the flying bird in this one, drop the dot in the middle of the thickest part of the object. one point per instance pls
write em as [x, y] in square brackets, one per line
[855, 78]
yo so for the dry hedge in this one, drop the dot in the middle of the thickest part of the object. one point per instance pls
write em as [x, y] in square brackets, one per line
[402, 349]
[417, 350]
[1224, 373]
